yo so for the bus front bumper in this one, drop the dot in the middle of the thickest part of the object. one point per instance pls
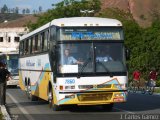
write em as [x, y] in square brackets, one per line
[93, 98]
[12, 82]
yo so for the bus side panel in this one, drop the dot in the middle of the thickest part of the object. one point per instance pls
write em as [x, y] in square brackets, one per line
[21, 81]
[41, 88]
[38, 72]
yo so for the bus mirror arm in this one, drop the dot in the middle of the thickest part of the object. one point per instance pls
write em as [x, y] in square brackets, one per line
[54, 79]
[127, 53]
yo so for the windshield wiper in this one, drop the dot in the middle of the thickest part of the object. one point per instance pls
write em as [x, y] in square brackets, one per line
[106, 69]
[83, 66]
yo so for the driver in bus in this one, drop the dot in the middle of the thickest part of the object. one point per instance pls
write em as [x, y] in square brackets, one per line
[68, 59]
[102, 56]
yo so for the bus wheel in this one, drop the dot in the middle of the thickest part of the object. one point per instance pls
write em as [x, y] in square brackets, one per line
[50, 100]
[29, 94]
[108, 107]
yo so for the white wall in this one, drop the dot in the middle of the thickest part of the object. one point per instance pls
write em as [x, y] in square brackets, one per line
[12, 33]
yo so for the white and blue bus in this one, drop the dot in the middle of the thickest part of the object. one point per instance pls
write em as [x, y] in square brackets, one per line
[94, 82]
[11, 60]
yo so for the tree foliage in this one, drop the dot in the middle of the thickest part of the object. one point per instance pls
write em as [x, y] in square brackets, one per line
[4, 9]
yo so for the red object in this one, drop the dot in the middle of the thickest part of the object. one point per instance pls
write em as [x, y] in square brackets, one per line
[153, 75]
[136, 75]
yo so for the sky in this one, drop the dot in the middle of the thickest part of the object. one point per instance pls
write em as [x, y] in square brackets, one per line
[31, 4]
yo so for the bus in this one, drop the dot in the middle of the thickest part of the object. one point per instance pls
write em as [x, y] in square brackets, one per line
[11, 61]
[93, 82]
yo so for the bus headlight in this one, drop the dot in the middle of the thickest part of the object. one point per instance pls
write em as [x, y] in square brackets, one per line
[69, 87]
[120, 86]
[118, 95]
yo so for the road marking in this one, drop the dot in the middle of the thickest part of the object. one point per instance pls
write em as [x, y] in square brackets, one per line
[124, 110]
[28, 116]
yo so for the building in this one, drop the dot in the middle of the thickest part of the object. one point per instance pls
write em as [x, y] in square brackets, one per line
[9, 38]
[11, 31]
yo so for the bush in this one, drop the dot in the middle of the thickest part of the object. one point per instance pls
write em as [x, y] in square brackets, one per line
[158, 83]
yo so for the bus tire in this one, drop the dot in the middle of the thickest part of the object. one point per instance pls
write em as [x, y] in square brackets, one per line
[50, 101]
[56, 107]
[108, 107]
[29, 94]
[50, 98]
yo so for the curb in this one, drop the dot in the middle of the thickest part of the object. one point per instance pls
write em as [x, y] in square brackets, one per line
[156, 93]
[5, 114]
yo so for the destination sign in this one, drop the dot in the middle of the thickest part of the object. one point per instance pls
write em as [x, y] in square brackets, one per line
[91, 34]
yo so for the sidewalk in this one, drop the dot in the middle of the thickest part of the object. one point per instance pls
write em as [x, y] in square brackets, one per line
[5, 114]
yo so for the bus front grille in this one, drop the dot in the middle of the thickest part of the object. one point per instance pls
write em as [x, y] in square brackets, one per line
[94, 86]
[95, 97]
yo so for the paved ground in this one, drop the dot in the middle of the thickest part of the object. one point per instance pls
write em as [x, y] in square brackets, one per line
[20, 107]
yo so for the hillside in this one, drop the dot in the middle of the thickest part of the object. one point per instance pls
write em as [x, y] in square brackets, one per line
[143, 11]
[16, 20]
[9, 16]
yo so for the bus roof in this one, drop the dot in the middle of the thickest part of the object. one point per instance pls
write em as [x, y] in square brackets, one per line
[86, 21]
[77, 22]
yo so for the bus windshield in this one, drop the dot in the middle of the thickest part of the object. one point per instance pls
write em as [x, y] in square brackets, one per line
[91, 33]
[91, 57]
[12, 63]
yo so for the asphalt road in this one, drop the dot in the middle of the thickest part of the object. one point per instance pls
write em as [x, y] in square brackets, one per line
[138, 107]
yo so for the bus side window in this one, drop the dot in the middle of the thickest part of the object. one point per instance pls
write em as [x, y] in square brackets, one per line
[42, 41]
[46, 40]
[33, 44]
[37, 43]
[21, 48]
[29, 46]
[26, 47]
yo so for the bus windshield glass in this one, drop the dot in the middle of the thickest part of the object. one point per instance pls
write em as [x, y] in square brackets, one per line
[91, 58]
[91, 33]
[12, 63]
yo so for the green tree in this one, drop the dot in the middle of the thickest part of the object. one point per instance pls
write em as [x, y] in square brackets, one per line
[24, 11]
[16, 10]
[4, 9]
[27, 10]
[40, 9]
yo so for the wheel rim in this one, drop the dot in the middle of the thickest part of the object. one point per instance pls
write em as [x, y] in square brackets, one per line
[29, 91]
[50, 98]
